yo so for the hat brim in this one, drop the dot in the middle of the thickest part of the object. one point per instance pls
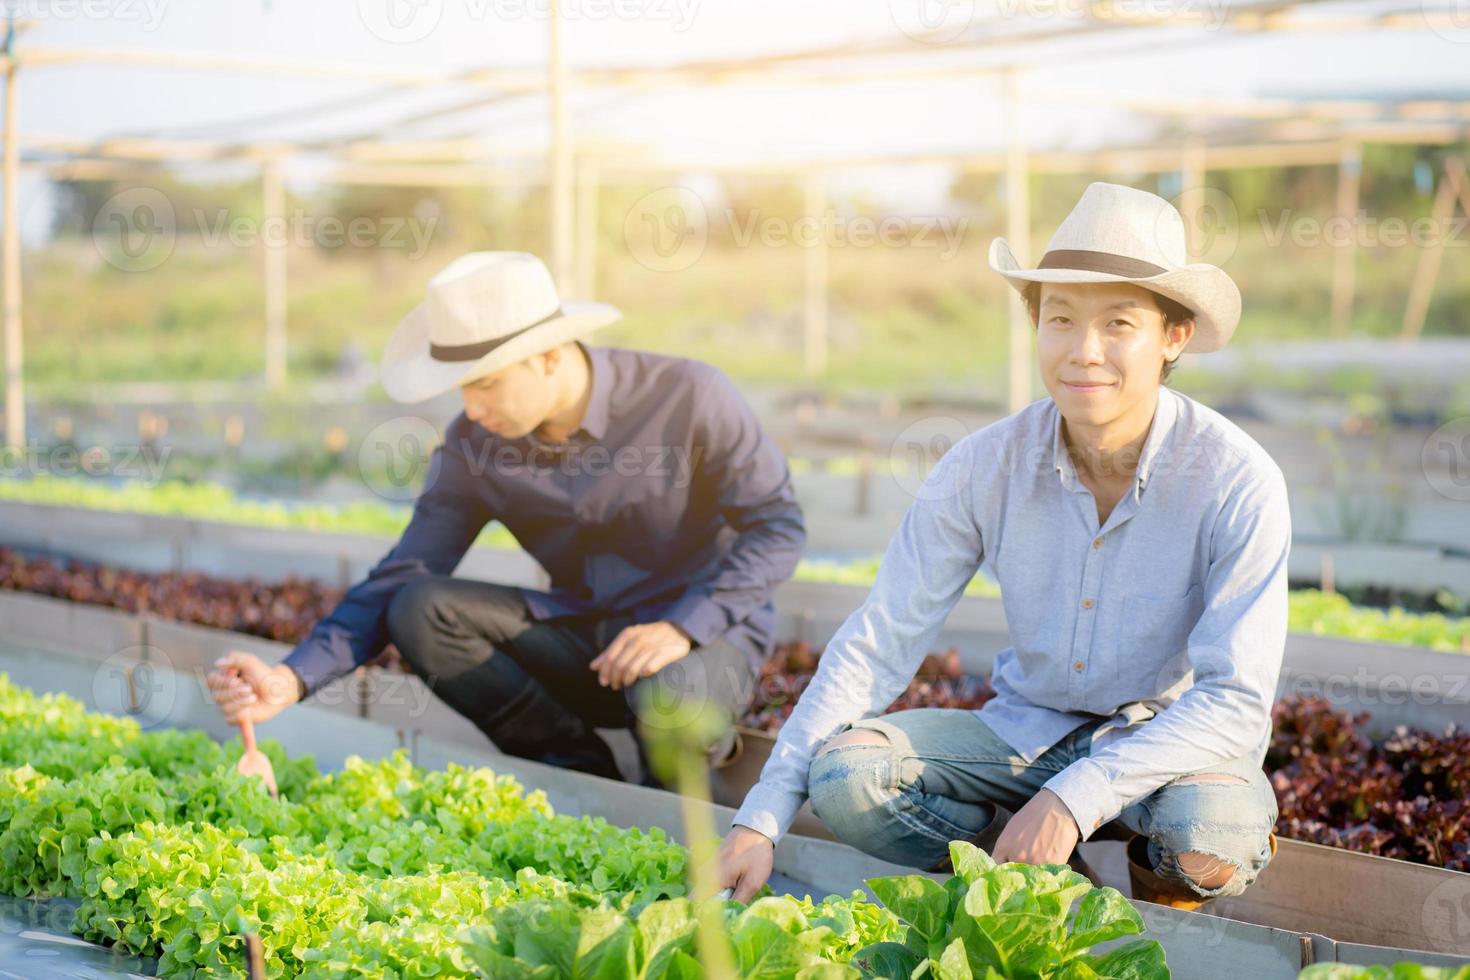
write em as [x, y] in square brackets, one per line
[410, 374]
[1205, 289]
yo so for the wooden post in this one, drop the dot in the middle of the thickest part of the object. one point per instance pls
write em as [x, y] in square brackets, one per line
[1344, 260]
[1192, 192]
[587, 189]
[1427, 271]
[273, 192]
[560, 189]
[814, 268]
[1454, 167]
[15, 401]
[1018, 233]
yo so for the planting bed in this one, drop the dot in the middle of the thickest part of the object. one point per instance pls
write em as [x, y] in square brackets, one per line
[284, 612]
[1401, 797]
[385, 869]
[1406, 796]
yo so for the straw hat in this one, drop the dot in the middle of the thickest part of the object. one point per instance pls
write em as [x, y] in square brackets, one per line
[484, 311]
[1122, 234]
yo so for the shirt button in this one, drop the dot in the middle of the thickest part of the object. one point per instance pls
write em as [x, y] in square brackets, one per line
[1086, 603]
[1077, 666]
[1097, 543]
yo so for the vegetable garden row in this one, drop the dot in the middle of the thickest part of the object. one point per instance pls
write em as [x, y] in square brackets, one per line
[1403, 796]
[384, 869]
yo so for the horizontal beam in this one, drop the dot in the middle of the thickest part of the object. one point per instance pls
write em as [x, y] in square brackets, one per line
[44, 57]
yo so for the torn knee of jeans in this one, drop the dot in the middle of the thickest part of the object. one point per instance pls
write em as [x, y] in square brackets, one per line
[1208, 871]
[853, 736]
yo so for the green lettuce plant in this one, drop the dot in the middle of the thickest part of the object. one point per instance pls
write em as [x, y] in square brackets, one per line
[1008, 920]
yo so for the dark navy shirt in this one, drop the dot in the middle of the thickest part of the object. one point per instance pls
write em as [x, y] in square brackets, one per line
[669, 503]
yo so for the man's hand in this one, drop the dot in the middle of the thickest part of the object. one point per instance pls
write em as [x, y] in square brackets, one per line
[244, 686]
[640, 651]
[745, 860]
[1041, 832]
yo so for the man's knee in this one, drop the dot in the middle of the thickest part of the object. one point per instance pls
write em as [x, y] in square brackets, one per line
[851, 789]
[407, 612]
[711, 685]
[839, 784]
[440, 604]
[853, 736]
[1206, 870]
[667, 701]
[1207, 844]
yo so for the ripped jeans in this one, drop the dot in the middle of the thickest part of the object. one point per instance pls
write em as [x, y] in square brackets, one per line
[943, 774]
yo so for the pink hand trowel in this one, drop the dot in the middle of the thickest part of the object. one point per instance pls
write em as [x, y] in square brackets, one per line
[254, 762]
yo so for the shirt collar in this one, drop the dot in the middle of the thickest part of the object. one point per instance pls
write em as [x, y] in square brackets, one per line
[594, 420]
[1060, 458]
[1165, 413]
[1164, 416]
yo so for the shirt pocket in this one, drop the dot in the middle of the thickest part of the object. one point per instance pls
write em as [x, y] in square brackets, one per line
[1154, 632]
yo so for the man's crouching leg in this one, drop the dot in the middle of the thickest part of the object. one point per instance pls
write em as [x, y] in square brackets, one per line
[859, 788]
[1211, 832]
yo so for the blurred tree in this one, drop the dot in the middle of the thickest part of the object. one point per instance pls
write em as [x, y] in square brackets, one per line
[197, 206]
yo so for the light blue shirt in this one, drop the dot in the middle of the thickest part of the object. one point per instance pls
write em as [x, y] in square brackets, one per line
[1168, 622]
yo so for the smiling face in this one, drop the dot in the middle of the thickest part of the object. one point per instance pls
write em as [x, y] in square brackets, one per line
[1102, 347]
[514, 400]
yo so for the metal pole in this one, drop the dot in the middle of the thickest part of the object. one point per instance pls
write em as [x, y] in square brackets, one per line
[560, 205]
[815, 277]
[1018, 233]
[15, 402]
[273, 193]
[1344, 264]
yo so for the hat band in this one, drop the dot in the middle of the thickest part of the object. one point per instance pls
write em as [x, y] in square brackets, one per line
[473, 352]
[1085, 260]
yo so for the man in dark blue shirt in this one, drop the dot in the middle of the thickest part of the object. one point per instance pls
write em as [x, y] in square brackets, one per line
[642, 483]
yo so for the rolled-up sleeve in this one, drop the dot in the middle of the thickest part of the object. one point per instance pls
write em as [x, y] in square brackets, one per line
[747, 474]
[1235, 651]
[877, 650]
[447, 517]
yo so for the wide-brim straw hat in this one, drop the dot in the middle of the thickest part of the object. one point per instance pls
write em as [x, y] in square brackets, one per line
[1122, 234]
[484, 311]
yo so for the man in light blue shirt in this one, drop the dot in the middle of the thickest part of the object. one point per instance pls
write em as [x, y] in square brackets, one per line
[1140, 540]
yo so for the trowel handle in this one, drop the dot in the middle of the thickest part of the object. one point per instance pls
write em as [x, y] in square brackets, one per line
[247, 732]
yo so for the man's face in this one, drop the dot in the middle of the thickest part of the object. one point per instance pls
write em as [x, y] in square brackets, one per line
[1101, 347]
[514, 400]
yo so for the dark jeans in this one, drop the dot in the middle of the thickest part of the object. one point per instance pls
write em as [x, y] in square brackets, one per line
[525, 683]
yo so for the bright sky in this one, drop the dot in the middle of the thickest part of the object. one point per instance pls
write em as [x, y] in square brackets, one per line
[755, 122]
